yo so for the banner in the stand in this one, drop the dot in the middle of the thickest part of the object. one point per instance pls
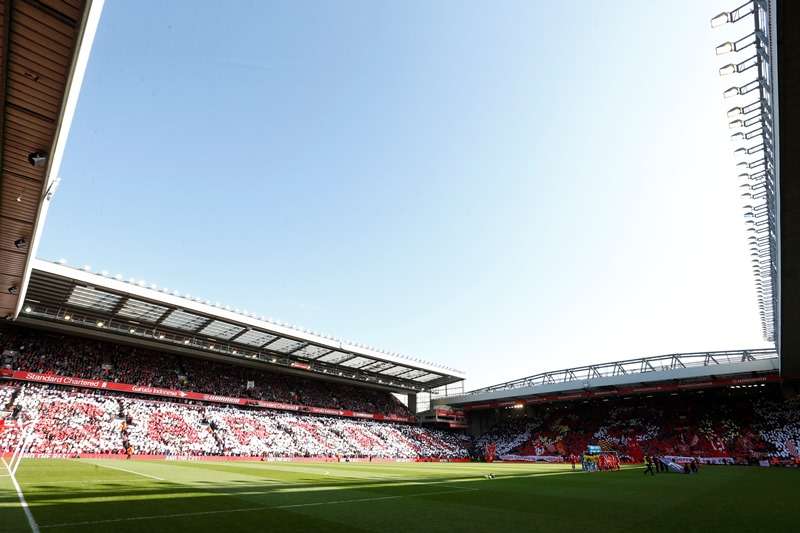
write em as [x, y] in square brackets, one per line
[267, 459]
[532, 458]
[53, 379]
[680, 459]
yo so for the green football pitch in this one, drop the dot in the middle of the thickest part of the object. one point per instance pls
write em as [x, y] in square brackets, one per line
[150, 496]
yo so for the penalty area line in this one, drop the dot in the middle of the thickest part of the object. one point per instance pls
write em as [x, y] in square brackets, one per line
[253, 509]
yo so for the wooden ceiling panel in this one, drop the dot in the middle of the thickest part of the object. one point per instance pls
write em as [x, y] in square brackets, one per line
[35, 67]
[12, 263]
[12, 229]
[68, 9]
[19, 197]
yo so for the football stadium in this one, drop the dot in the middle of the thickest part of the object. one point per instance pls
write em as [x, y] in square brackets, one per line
[125, 406]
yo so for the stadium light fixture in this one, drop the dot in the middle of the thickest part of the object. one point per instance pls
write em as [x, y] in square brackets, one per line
[28, 309]
[185, 341]
[725, 48]
[100, 323]
[132, 330]
[161, 336]
[721, 19]
[731, 92]
[727, 70]
[734, 112]
[67, 317]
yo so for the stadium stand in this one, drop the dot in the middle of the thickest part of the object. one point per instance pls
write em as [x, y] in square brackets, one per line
[33, 351]
[734, 424]
[720, 423]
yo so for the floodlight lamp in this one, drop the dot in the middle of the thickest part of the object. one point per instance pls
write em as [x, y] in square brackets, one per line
[132, 330]
[28, 309]
[733, 124]
[738, 136]
[67, 317]
[725, 48]
[720, 20]
[161, 336]
[727, 70]
[185, 341]
[100, 323]
[734, 112]
[731, 92]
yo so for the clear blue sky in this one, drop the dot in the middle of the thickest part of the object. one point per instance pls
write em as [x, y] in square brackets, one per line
[504, 187]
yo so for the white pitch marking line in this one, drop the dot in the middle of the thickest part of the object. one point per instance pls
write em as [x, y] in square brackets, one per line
[129, 471]
[22, 502]
[252, 509]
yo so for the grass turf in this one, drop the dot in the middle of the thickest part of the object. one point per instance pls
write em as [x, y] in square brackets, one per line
[74, 495]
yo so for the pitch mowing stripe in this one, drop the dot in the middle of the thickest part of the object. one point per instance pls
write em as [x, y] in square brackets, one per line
[35, 484]
[252, 509]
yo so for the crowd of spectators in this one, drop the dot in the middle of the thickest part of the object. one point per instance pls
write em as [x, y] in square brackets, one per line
[509, 434]
[35, 351]
[6, 393]
[70, 422]
[716, 423]
[65, 422]
[780, 427]
[163, 428]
